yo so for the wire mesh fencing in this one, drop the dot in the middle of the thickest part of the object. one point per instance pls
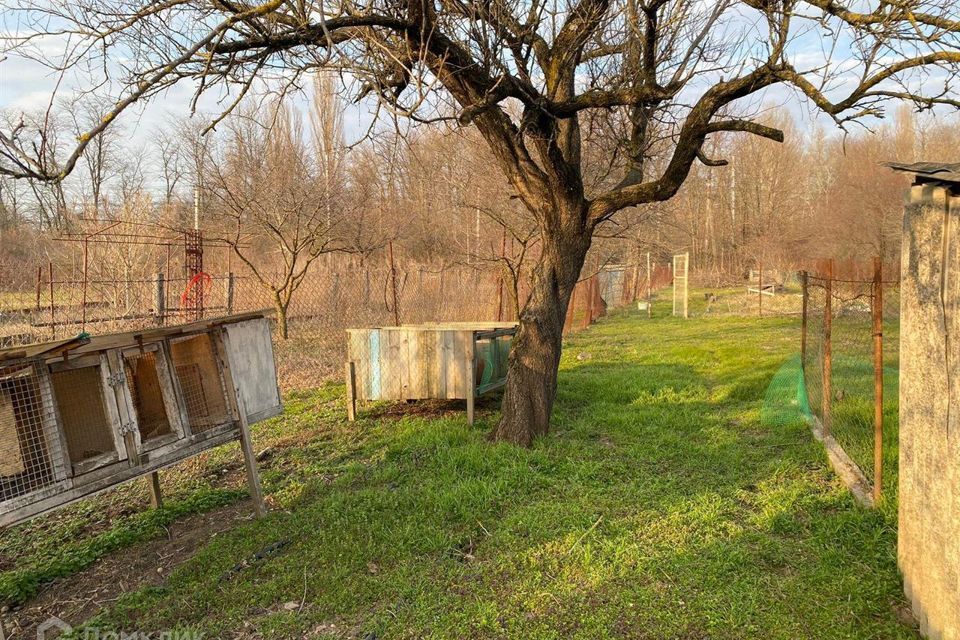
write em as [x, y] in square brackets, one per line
[850, 351]
[59, 301]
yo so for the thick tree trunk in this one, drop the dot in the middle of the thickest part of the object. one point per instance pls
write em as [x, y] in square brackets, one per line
[535, 356]
[282, 321]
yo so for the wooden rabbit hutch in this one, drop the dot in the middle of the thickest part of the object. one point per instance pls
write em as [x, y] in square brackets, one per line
[83, 415]
[449, 361]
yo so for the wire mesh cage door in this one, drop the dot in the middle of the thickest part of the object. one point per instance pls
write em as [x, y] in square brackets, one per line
[149, 393]
[31, 450]
[87, 412]
[200, 382]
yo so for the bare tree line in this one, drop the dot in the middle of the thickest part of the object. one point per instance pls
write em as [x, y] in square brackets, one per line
[282, 187]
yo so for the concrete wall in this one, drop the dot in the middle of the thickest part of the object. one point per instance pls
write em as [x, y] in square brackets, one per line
[929, 522]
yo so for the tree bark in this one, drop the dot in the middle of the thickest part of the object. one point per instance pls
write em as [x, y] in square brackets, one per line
[282, 320]
[535, 355]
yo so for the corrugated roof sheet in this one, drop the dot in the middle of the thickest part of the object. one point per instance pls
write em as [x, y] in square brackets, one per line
[943, 171]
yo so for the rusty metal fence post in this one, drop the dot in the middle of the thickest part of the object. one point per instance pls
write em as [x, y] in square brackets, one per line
[83, 301]
[828, 352]
[804, 281]
[159, 299]
[877, 301]
[53, 325]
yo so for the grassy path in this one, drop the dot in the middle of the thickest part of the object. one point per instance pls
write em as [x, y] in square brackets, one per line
[663, 505]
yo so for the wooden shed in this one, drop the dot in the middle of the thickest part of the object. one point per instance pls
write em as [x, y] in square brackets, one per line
[449, 361]
[83, 415]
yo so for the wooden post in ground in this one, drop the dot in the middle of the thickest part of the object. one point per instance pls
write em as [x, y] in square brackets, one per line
[249, 459]
[53, 326]
[240, 406]
[760, 289]
[828, 353]
[649, 291]
[470, 377]
[351, 376]
[878, 378]
[166, 277]
[156, 497]
[39, 285]
[159, 299]
[673, 278]
[393, 287]
[804, 280]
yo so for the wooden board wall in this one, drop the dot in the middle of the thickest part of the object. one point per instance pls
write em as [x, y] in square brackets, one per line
[412, 363]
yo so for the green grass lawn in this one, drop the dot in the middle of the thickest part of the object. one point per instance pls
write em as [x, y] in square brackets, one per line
[679, 495]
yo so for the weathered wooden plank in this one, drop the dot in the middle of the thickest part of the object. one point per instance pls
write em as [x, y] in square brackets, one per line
[403, 363]
[376, 365]
[165, 376]
[117, 419]
[57, 497]
[53, 434]
[119, 390]
[351, 380]
[419, 387]
[156, 495]
[250, 354]
[446, 385]
[429, 355]
[458, 364]
[225, 351]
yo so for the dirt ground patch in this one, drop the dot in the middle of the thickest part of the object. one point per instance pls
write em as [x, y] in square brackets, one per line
[78, 598]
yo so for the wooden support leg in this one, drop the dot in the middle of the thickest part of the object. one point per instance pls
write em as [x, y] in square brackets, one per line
[250, 460]
[471, 382]
[471, 393]
[470, 376]
[351, 375]
[156, 497]
[246, 443]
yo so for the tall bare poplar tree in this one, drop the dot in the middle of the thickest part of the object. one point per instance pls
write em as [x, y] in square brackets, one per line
[538, 78]
[277, 197]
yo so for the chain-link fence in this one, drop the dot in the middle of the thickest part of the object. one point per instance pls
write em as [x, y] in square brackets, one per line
[850, 355]
[57, 302]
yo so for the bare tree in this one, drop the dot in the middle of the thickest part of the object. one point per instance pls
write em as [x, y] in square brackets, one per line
[277, 211]
[528, 75]
[100, 159]
[172, 161]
